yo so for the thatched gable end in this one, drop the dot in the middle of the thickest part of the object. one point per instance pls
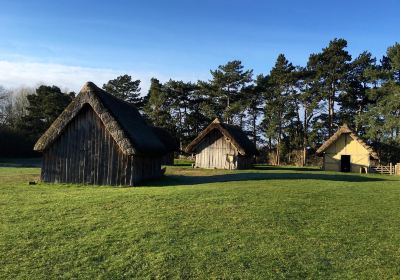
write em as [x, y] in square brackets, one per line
[232, 133]
[121, 119]
[344, 129]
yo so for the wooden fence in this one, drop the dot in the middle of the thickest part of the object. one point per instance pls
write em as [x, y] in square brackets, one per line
[387, 169]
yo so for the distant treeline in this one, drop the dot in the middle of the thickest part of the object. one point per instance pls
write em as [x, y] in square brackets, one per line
[288, 112]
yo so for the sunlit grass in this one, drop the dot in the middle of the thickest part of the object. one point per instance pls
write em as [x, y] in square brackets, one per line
[262, 223]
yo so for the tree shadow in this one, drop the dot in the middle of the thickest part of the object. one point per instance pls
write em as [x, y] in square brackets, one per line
[178, 180]
[289, 168]
[182, 164]
[20, 162]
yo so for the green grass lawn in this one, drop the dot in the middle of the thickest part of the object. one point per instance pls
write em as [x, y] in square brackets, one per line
[262, 223]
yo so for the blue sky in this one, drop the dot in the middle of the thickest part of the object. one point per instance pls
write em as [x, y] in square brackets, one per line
[68, 42]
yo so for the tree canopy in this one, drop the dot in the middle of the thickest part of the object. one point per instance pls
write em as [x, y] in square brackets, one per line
[125, 88]
[288, 111]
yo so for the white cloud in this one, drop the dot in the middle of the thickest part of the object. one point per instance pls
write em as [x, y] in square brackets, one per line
[16, 74]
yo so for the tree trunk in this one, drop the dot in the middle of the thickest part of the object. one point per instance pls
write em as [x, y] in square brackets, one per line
[331, 106]
[278, 157]
[330, 118]
[227, 116]
[227, 109]
[305, 128]
[254, 130]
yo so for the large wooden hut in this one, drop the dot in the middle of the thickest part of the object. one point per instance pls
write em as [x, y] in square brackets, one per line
[171, 145]
[100, 139]
[222, 146]
[346, 152]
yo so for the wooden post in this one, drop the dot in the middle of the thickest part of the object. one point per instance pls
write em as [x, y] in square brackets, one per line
[390, 168]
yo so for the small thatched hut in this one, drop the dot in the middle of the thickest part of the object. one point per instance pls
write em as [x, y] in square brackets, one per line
[346, 152]
[222, 146]
[171, 145]
[100, 139]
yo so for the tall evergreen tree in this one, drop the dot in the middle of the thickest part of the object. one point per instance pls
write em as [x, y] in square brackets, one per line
[382, 119]
[126, 89]
[44, 107]
[255, 103]
[226, 85]
[278, 102]
[393, 53]
[309, 99]
[332, 72]
[355, 99]
[181, 96]
[157, 106]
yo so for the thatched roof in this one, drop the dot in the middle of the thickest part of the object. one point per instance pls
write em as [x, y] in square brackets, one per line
[171, 144]
[122, 120]
[344, 129]
[232, 133]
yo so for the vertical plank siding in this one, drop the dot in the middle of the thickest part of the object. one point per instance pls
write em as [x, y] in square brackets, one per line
[168, 159]
[86, 153]
[214, 151]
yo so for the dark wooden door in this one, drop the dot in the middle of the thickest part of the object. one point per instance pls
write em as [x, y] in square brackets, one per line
[345, 165]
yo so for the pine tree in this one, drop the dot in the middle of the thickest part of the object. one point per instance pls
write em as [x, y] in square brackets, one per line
[181, 95]
[157, 106]
[309, 99]
[393, 54]
[278, 102]
[126, 89]
[382, 119]
[226, 90]
[255, 100]
[44, 107]
[332, 66]
[355, 99]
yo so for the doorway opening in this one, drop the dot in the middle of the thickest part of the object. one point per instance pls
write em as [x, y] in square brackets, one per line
[345, 165]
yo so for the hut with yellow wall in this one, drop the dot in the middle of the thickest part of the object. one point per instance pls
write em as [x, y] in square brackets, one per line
[346, 152]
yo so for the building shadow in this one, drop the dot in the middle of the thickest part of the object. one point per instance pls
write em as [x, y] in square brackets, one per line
[178, 180]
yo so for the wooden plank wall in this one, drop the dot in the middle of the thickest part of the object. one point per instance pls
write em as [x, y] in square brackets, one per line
[212, 152]
[168, 159]
[87, 154]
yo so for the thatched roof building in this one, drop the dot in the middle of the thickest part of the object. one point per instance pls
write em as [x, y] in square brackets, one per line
[100, 139]
[223, 146]
[170, 143]
[345, 151]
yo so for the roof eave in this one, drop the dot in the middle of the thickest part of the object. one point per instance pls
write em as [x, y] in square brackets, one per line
[86, 97]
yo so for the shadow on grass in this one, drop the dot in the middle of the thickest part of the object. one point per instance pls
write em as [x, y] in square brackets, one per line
[289, 168]
[176, 180]
[20, 162]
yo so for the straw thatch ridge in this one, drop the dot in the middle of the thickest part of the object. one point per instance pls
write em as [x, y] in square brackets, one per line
[232, 133]
[122, 120]
[344, 129]
[171, 144]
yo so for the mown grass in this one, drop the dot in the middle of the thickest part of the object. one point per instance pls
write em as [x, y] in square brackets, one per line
[255, 224]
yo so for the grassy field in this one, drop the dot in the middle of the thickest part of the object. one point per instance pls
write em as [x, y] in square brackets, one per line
[256, 224]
